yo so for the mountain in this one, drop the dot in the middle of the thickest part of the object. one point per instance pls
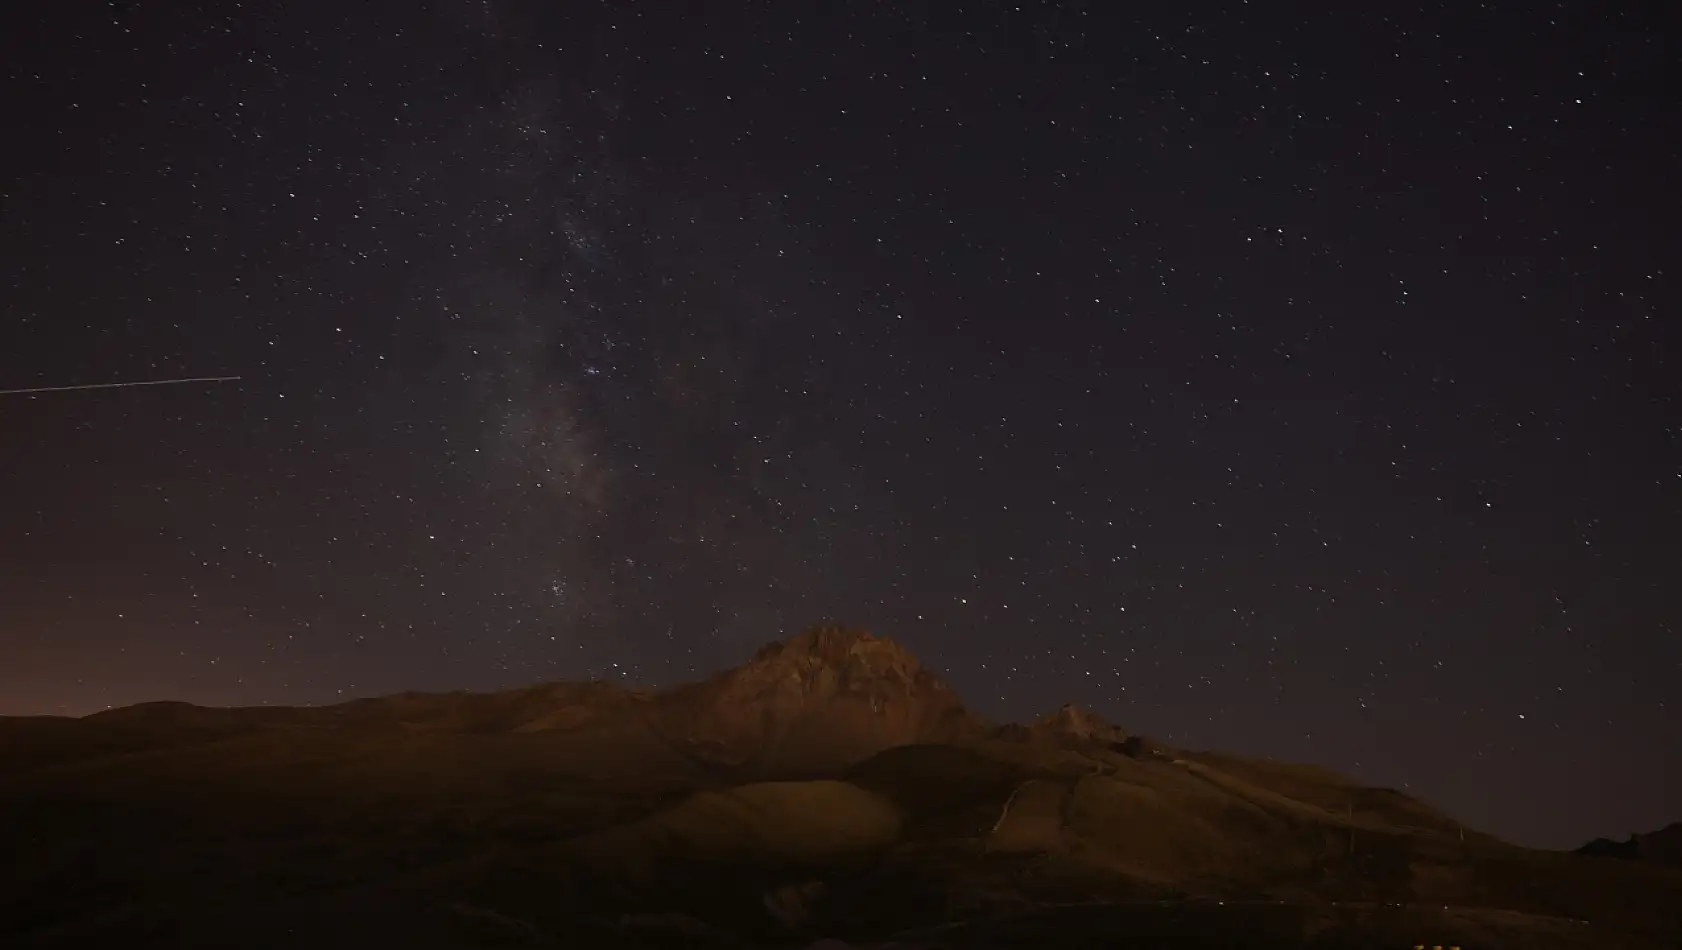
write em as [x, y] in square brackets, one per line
[1657, 847]
[831, 786]
[815, 703]
[1072, 723]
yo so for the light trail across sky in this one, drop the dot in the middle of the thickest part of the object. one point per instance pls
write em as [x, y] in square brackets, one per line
[143, 382]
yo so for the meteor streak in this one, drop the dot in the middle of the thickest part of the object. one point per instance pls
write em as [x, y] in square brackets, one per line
[142, 382]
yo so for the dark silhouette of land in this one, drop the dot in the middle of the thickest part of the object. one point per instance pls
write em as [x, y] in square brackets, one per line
[1657, 847]
[829, 788]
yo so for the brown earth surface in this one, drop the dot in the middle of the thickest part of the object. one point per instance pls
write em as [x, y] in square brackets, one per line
[831, 787]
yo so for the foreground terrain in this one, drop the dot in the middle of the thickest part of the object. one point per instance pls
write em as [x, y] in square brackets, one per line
[831, 788]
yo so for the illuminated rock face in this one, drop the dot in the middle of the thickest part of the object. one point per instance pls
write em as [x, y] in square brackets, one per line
[821, 700]
[1073, 722]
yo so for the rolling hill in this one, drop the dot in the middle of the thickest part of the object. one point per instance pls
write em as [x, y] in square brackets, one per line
[829, 787]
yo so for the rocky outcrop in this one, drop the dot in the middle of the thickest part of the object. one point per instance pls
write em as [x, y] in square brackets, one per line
[1073, 722]
[819, 701]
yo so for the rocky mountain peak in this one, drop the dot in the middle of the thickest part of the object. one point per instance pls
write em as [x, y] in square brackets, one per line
[842, 656]
[829, 694]
[1075, 722]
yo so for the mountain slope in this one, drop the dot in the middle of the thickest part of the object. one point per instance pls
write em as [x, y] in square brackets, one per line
[1656, 847]
[831, 784]
[813, 704]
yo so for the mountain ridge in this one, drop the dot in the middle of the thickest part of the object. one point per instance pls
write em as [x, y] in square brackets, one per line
[829, 784]
[1663, 846]
[830, 687]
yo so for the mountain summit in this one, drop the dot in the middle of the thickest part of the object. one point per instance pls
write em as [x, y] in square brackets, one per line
[839, 648]
[1073, 722]
[820, 700]
[830, 784]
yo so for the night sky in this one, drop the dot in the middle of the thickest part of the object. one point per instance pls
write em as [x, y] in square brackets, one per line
[1295, 383]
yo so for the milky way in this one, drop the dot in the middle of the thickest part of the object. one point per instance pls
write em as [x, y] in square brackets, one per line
[1294, 385]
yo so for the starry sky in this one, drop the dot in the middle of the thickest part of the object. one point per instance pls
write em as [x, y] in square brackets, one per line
[1298, 382]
